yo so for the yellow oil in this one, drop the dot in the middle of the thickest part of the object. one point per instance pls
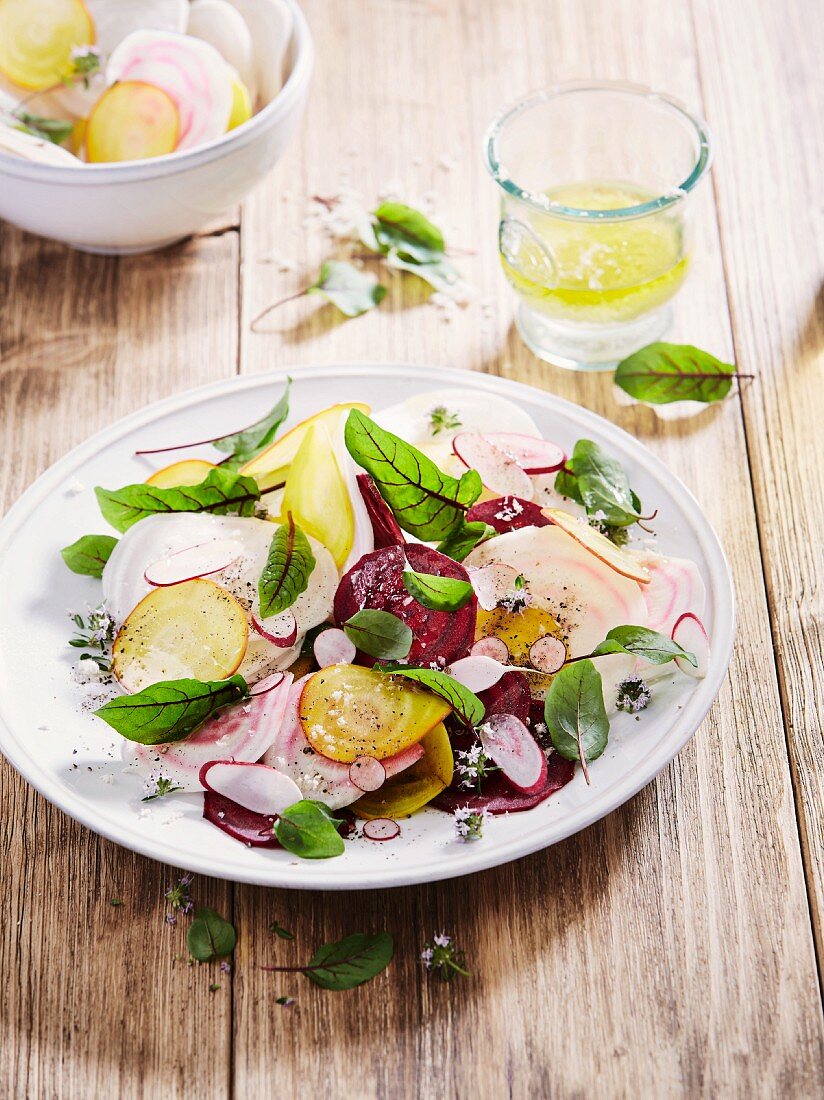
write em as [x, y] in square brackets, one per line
[601, 272]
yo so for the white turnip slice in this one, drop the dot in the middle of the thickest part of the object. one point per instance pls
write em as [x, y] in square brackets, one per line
[332, 647]
[220, 24]
[256, 787]
[478, 671]
[534, 456]
[241, 732]
[499, 473]
[675, 587]
[200, 560]
[510, 745]
[689, 632]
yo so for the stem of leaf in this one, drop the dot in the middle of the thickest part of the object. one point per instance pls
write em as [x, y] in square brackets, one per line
[583, 759]
[275, 305]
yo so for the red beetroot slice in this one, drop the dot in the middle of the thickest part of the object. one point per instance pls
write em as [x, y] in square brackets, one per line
[384, 525]
[507, 514]
[509, 696]
[376, 582]
[500, 798]
[241, 824]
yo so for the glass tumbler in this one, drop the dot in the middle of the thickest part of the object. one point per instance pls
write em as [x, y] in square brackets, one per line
[596, 183]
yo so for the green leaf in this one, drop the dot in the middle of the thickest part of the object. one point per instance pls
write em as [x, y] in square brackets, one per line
[566, 483]
[653, 647]
[380, 634]
[210, 936]
[575, 714]
[408, 232]
[170, 710]
[602, 485]
[245, 444]
[425, 501]
[287, 570]
[466, 705]
[463, 541]
[661, 373]
[437, 593]
[307, 829]
[55, 130]
[220, 492]
[351, 961]
[350, 290]
[89, 554]
[440, 274]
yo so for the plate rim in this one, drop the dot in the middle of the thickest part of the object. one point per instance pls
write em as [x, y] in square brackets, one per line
[282, 875]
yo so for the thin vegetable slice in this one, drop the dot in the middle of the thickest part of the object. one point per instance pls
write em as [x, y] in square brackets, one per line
[37, 38]
[599, 545]
[416, 786]
[348, 711]
[316, 494]
[132, 121]
[191, 471]
[195, 629]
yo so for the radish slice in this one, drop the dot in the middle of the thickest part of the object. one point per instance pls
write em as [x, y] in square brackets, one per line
[534, 456]
[689, 632]
[508, 742]
[493, 583]
[191, 72]
[222, 26]
[256, 787]
[479, 671]
[243, 732]
[498, 471]
[381, 828]
[281, 630]
[267, 685]
[195, 561]
[495, 648]
[367, 773]
[316, 775]
[332, 647]
[547, 654]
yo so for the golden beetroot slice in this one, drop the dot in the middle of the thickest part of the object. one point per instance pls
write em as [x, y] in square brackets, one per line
[376, 582]
[347, 711]
[192, 630]
[403, 794]
[132, 121]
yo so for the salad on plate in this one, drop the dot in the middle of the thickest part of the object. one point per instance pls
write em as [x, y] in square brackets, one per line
[327, 629]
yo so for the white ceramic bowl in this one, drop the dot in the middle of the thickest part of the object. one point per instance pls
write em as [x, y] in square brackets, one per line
[143, 205]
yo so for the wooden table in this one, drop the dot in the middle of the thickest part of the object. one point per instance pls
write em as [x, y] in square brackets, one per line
[669, 950]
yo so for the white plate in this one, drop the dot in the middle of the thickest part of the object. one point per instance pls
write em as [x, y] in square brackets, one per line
[73, 759]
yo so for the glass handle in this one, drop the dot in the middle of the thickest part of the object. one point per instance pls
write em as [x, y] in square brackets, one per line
[526, 253]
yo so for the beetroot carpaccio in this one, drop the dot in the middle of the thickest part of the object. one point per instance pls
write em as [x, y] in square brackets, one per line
[376, 582]
[229, 594]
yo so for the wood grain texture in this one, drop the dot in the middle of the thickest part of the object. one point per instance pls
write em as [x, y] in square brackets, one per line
[668, 950]
[777, 298]
[637, 936]
[98, 1000]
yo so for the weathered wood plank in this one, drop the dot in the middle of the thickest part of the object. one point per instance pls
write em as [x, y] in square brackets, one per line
[761, 69]
[94, 1001]
[666, 951]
